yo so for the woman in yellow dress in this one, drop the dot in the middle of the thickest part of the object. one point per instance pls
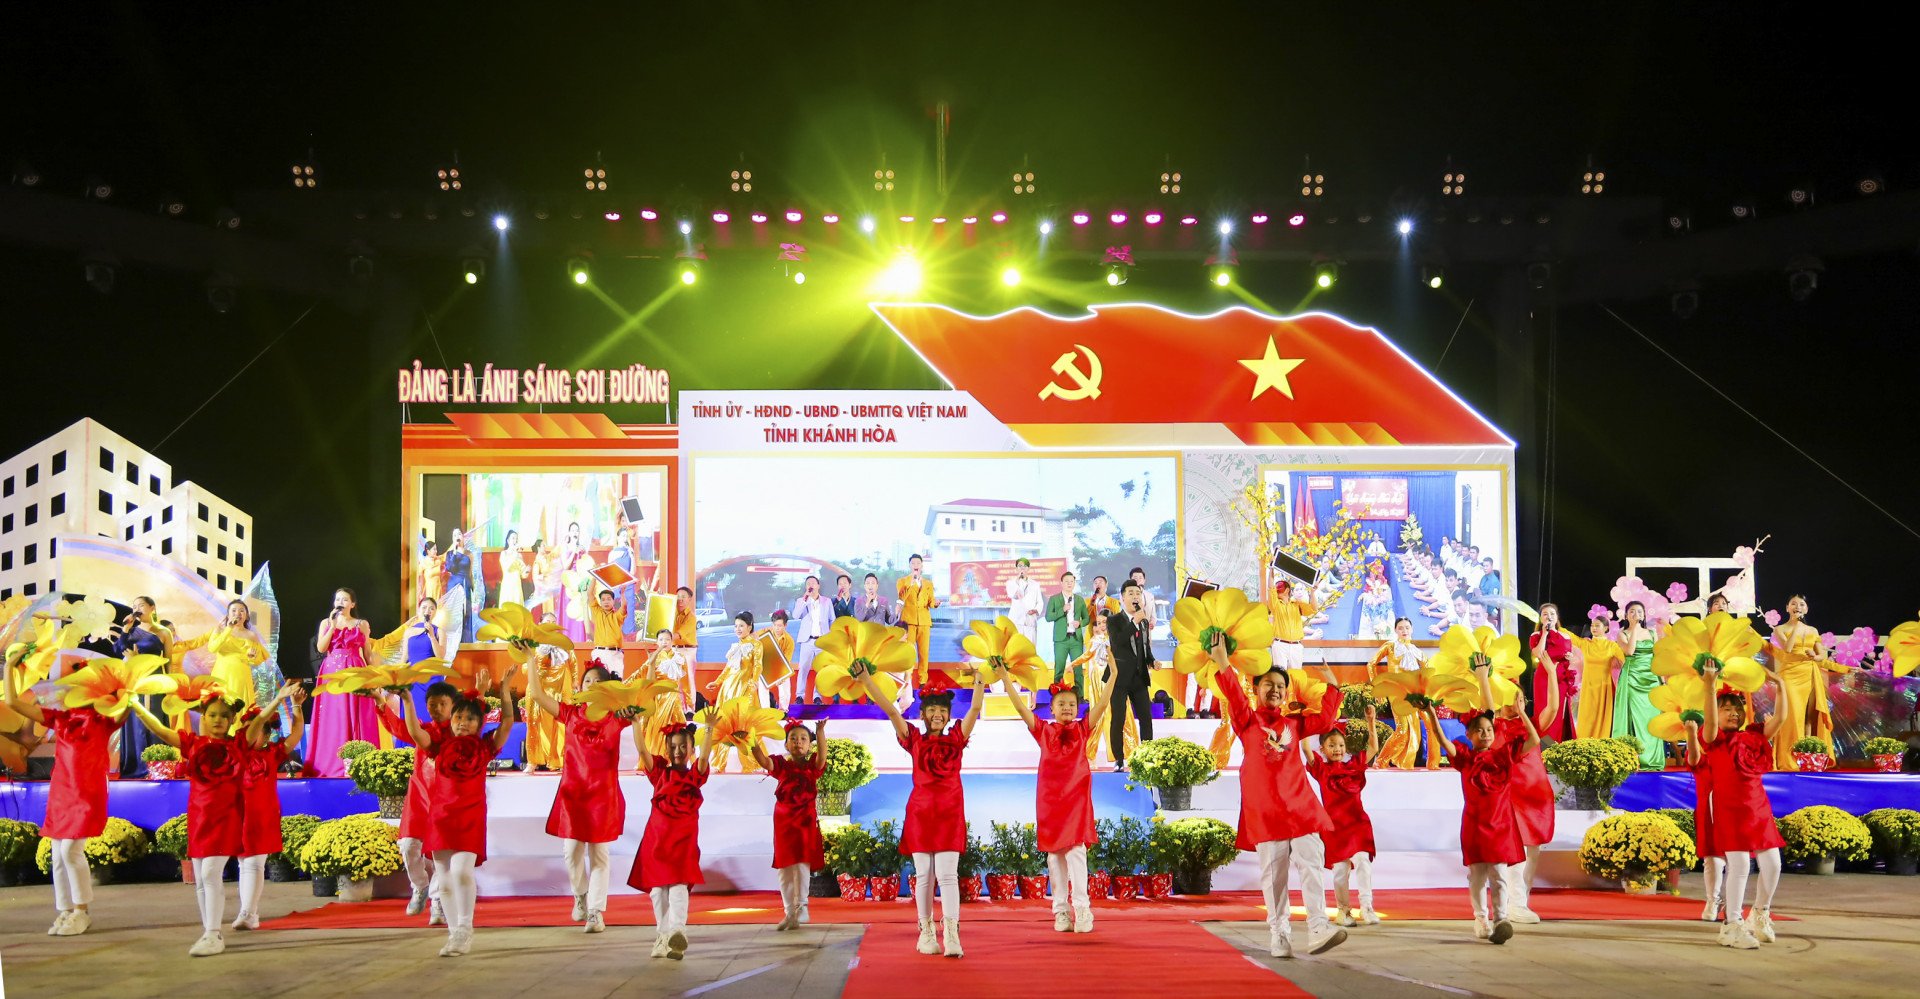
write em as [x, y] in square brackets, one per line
[236, 651]
[546, 737]
[513, 571]
[741, 677]
[431, 581]
[1601, 656]
[669, 662]
[1799, 659]
[1402, 749]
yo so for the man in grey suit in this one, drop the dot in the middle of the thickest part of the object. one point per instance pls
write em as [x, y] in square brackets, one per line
[872, 606]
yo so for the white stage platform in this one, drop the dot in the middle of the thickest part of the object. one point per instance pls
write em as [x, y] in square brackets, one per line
[1416, 817]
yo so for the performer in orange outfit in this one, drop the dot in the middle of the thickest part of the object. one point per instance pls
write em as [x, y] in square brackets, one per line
[1402, 749]
[609, 626]
[1799, 659]
[1290, 615]
[916, 604]
[546, 734]
[684, 627]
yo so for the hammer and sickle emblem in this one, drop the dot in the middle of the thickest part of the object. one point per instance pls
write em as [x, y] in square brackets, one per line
[1086, 384]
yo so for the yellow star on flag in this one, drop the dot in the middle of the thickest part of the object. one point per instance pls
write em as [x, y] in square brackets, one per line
[1270, 371]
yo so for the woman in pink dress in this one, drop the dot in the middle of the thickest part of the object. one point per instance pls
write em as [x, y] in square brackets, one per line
[340, 718]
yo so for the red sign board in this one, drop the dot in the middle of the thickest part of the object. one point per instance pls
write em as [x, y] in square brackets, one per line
[984, 583]
[1375, 499]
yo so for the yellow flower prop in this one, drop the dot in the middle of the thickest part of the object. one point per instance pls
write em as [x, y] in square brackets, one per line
[35, 656]
[1426, 688]
[1723, 639]
[1305, 694]
[108, 686]
[1001, 646]
[1460, 648]
[742, 722]
[1223, 613]
[1682, 695]
[188, 692]
[367, 679]
[514, 625]
[90, 618]
[880, 648]
[1904, 646]
[613, 696]
[838, 681]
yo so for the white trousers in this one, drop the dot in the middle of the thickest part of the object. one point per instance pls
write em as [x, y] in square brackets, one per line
[422, 872]
[793, 888]
[944, 867]
[1310, 856]
[209, 884]
[72, 881]
[457, 887]
[587, 872]
[253, 882]
[1712, 871]
[1357, 870]
[1736, 881]
[1518, 879]
[669, 909]
[1068, 875]
[1484, 880]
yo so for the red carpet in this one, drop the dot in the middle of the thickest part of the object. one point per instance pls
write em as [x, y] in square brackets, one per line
[1004, 960]
[764, 907]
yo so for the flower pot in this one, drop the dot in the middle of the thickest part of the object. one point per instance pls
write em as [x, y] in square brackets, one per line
[1033, 886]
[971, 886]
[1589, 799]
[1193, 882]
[1157, 886]
[832, 802]
[1176, 799]
[885, 889]
[821, 884]
[1672, 882]
[1000, 887]
[852, 889]
[170, 770]
[356, 891]
[1905, 865]
[323, 885]
[1887, 763]
[1812, 762]
[1099, 885]
[1125, 887]
[1641, 882]
[391, 807]
[280, 870]
[1819, 865]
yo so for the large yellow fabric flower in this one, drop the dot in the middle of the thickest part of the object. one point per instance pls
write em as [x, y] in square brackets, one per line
[1225, 613]
[367, 679]
[35, 656]
[1426, 688]
[1691, 643]
[1903, 644]
[1460, 647]
[838, 681]
[90, 618]
[1001, 646]
[613, 696]
[514, 625]
[880, 648]
[108, 686]
[742, 722]
[184, 693]
[1682, 693]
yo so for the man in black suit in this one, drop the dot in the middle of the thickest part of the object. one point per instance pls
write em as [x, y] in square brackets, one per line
[1132, 659]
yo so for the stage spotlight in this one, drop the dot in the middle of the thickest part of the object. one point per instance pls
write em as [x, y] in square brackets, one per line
[1221, 275]
[1259, 220]
[1118, 218]
[473, 266]
[999, 218]
[1188, 220]
[883, 179]
[688, 270]
[1404, 227]
[1868, 185]
[1297, 219]
[171, 206]
[792, 259]
[448, 178]
[577, 270]
[970, 220]
[500, 223]
[1800, 197]
[1116, 274]
[1453, 183]
[1677, 224]
[1151, 218]
[98, 190]
[1225, 227]
[1081, 218]
[866, 224]
[1803, 276]
[759, 218]
[649, 214]
[1745, 211]
[901, 277]
[25, 175]
[721, 218]
[1539, 275]
[793, 216]
[830, 219]
[1324, 277]
[596, 179]
[740, 181]
[1593, 181]
[101, 270]
[1023, 182]
[1010, 276]
[686, 227]
[222, 292]
[1433, 275]
[1312, 185]
[1685, 299]
[1170, 182]
[226, 218]
[1046, 227]
[305, 176]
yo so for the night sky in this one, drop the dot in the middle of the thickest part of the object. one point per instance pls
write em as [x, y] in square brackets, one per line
[1699, 107]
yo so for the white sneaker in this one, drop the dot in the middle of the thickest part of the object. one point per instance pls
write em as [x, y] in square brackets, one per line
[418, 903]
[1083, 920]
[1501, 933]
[1480, 928]
[1725, 937]
[1739, 937]
[806, 914]
[929, 944]
[1367, 916]
[60, 922]
[437, 914]
[1062, 921]
[1522, 914]
[950, 941]
[1344, 918]
[677, 944]
[579, 908]
[78, 921]
[659, 946]
[1760, 923]
[595, 924]
[245, 921]
[789, 921]
[1279, 942]
[1711, 914]
[1326, 941]
[209, 944]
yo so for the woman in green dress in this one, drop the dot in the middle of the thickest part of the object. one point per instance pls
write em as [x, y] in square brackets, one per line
[1632, 701]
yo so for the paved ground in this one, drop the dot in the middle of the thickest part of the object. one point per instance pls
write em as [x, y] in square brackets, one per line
[1856, 937]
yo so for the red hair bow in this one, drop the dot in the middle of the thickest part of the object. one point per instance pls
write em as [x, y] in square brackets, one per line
[1726, 689]
[1339, 725]
[471, 694]
[793, 723]
[674, 728]
[939, 683]
[249, 714]
[1057, 689]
